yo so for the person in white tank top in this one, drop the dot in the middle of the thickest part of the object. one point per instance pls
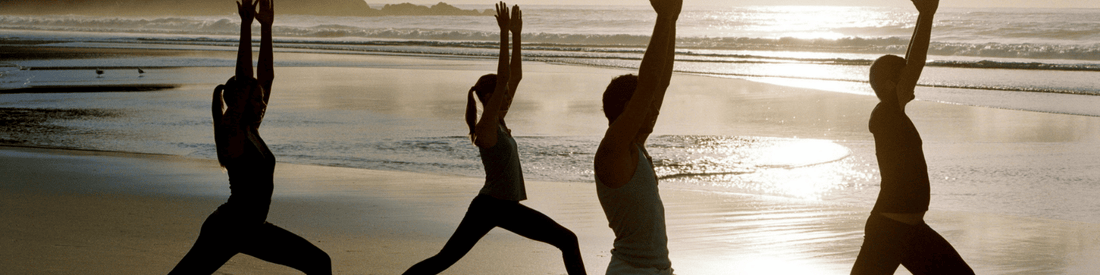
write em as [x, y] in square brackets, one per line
[625, 180]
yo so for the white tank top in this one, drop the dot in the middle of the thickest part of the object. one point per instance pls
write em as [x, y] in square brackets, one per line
[637, 215]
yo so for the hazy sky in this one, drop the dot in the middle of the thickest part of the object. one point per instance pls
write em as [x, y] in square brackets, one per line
[886, 3]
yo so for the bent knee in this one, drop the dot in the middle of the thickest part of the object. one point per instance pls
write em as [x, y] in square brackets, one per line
[567, 239]
[319, 263]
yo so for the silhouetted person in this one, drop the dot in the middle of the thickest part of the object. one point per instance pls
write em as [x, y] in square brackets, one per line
[625, 180]
[497, 205]
[239, 225]
[895, 232]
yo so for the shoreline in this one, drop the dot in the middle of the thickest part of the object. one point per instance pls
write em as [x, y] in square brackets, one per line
[1074, 100]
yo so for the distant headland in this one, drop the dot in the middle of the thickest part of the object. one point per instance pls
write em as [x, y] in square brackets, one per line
[221, 7]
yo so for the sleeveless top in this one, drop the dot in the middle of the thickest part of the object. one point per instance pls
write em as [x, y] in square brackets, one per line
[251, 180]
[637, 215]
[503, 175]
[898, 147]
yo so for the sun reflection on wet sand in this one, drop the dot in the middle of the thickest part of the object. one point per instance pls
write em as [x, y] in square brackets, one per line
[736, 234]
[795, 168]
[744, 234]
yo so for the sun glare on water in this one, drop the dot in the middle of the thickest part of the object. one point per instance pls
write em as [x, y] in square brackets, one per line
[799, 22]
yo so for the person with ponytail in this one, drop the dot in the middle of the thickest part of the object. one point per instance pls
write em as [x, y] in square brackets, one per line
[497, 205]
[239, 225]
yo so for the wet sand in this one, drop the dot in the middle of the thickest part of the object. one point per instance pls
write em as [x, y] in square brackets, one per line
[69, 211]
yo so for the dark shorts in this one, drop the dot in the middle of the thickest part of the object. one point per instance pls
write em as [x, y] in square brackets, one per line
[888, 243]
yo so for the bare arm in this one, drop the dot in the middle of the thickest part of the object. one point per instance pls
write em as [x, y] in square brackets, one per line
[917, 53]
[485, 132]
[662, 87]
[265, 71]
[615, 158]
[515, 26]
[226, 130]
[244, 52]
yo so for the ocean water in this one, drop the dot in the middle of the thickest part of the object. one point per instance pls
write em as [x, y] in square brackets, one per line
[1034, 60]
[971, 49]
[1003, 52]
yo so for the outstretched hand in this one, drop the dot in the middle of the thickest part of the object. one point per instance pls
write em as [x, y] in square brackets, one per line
[502, 16]
[247, 11]
[266, 15]
[669, 7]
[517, 20]
[926, 6]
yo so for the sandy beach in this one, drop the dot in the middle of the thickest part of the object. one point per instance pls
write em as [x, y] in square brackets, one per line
[106, 212]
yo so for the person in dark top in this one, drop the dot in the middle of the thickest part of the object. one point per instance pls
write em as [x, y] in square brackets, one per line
[497, 204]
[895, 232]
[239, 225]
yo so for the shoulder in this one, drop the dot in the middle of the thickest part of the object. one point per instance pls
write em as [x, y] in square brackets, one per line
[885, 119]
[893, 127]
[615, 168]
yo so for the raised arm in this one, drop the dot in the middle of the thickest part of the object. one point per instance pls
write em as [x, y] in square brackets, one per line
[614, 162]
[485, 132]
[265, 71]
[244, 52]
[515, 26]
[665, 76]
[917, 53]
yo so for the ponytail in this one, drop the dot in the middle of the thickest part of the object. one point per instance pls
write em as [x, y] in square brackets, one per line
[216, 108]
[471, 111]
[484, 86]
[217, 105]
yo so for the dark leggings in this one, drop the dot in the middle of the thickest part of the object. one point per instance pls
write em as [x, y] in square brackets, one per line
[487, 212]
[224, 235]
[888, 243]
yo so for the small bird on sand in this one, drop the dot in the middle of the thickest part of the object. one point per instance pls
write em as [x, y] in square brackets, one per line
[98, 72]
[140, 72]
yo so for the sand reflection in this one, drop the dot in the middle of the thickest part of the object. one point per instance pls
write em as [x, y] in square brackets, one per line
[795, 168]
